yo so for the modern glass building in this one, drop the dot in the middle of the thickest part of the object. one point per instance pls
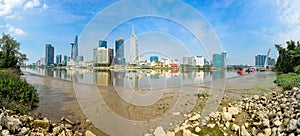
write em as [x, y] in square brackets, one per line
[153, 58]
[59, 59]
[74, 49]
[260, 60]
[49, 58]
[102, 43]
[119, 47]
[217, 60]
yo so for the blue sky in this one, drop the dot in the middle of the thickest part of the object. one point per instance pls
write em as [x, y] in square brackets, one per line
[243, 28]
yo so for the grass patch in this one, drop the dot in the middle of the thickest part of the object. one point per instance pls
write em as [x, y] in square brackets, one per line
[287, 81]
[15, 93]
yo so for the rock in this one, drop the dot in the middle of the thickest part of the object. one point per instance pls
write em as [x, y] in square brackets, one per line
[255, 97]
[0, 128]
[226, 116]
[68, 126]
[187, 132]
[12, 124]
[4, 133]
[56, 130]
[268, 131]
[298, 122]
[235, 128]
[265, 122]
[89, 133]
[45, 124]
[159, 131]
[211, 125]
[244, 131]
[10, 127]
[227, 124]
[170, 133]
[176, 113]
[246, 125]
[69, 132]
[24, 130]
[292, 125]
[277, 123]
[233, 110]
[292, 134]
[260, 134]
[195, 117]
[197, 129]
[63, 133]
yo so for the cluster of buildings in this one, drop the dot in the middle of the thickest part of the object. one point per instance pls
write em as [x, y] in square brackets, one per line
[104, 57]
[60, 60]
[261, 59]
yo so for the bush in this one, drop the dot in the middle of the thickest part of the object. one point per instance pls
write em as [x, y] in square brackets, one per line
[16, 93]
[297, 69]
[287, 81]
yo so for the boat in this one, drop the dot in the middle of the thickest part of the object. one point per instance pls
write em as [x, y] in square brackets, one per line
[241, 71]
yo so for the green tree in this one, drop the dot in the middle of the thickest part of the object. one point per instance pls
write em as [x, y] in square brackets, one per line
[10, 57]
[289, 58]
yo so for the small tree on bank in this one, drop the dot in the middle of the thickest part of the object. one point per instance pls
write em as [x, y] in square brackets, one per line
[10, 57]
[289, 57]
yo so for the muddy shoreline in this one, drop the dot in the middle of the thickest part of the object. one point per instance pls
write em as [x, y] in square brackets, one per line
[58, 98]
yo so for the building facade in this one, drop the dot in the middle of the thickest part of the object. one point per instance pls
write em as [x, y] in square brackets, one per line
[74, 49]
[260, 60]
[217, 60]
[58, 59]
[101, 56]
[119, 48]
[49, 58]
[102, 43]
[153, 58]
[133, 48]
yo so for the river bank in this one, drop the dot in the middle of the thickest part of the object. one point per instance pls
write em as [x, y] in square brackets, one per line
[57, 99]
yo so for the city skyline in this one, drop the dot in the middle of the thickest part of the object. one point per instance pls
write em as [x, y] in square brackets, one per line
[233, 21]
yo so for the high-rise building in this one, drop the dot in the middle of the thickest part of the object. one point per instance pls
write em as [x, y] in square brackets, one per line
[217, 60]
[153, 58]
[59, 59]
[101, 56]
[224, 59]
[43, 61]
[102, 43]
[64, 62]
[111, 55]
[79, 58]
[261, 59]
[49, 58]
[119, 48]
[74, 49]
[133, 48]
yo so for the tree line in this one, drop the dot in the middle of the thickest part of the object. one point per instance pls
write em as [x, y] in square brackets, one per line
[10, 57]
[289, 57]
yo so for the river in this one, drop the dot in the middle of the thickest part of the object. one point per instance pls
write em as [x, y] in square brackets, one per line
[131, 103]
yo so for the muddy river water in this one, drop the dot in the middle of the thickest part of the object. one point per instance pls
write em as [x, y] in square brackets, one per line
[135, 103]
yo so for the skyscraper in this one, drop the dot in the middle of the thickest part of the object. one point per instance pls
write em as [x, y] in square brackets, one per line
[58, 59]
[217, 60]
[133, 48]
[74, 50]
[224, 59]
[49, 59]
[102, 43]
[119, 47]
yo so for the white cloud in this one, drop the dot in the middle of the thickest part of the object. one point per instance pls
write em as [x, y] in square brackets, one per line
[14, 30]
[44, 7]
[289, 16]
[6, 6]
[32, 4]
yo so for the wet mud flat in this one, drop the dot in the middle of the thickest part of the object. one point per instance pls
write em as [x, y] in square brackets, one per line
[58, 99]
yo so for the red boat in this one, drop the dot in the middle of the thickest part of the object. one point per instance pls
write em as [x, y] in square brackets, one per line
[241, 71]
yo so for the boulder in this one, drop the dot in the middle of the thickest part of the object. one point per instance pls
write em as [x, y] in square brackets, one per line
[244, 131]
[89, 133]
[233, 110]
[235, 128]
[195, 117]
[292, 125]
[45, 124]
[226, 116]
[159, 131]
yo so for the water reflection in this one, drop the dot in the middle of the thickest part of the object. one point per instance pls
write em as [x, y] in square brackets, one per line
[135, 79]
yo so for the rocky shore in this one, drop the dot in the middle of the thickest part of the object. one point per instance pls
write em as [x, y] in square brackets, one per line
[20, 125]
[272, 114]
